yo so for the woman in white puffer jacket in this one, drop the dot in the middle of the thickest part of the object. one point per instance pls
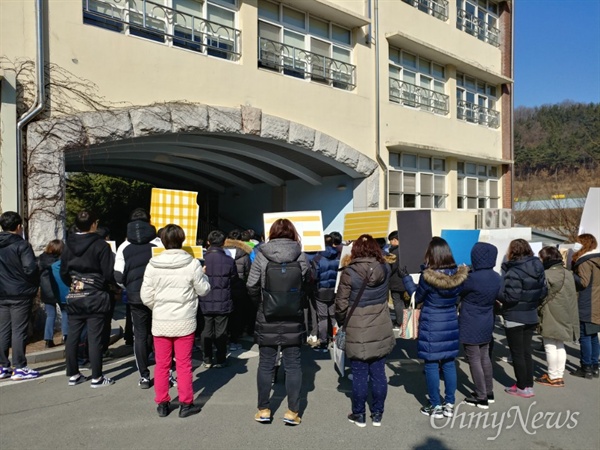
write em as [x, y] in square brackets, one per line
[173, 280]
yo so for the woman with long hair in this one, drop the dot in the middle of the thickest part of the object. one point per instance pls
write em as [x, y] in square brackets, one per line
[440, 285]
[522, 293]
[173, 280]
[559, 319]
[586, 269]
[280, 333]
[49, 291]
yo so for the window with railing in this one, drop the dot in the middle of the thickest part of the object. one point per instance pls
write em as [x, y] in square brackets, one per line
[478, 186]
[479, 18]
[201, 27]
[476, 101]
[436, 8]
[300, 45]
[416, 181]
[417, 82]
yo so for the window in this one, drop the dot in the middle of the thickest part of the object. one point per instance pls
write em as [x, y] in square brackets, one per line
[436, 8]
[303, 46]
[417, 82]
[476, 101]
[204, 27]
[478, 186]
[479, 18]
[416, 181]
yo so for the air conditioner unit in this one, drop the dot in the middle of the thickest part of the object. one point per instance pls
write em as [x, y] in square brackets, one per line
[487, 219]
[505, 218]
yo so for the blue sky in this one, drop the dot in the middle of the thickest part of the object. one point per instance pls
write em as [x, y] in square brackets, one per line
[557, 51]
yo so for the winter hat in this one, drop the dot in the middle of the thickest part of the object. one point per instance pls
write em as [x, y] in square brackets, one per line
[483, 256]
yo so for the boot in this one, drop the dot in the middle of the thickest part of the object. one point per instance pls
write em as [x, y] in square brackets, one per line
[49, 343]
[583, 372]
[595, 372]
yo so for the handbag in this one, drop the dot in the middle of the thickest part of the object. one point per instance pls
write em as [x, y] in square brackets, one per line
[410, 320]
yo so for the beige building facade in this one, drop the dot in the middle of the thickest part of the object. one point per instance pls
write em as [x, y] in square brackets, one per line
[264, 106]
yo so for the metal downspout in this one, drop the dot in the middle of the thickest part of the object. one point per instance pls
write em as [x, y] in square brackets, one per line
[377, 109]
[35, 109]
[512, 106]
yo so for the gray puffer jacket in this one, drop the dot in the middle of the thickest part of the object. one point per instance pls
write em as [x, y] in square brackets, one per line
[369, 334]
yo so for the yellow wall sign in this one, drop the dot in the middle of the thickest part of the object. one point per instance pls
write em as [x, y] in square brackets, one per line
[195, 250]
[309, 225]
[178, 207]
[375, 223]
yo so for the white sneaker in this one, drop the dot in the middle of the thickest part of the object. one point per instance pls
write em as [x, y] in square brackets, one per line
[312, 340]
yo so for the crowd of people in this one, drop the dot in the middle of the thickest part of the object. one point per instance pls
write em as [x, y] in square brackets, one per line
[286, 298]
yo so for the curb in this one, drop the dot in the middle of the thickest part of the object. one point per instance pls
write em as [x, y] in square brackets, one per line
[58, 353]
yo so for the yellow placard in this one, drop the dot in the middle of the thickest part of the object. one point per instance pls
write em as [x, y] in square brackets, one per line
[178, 207]
[195, 250]
[309, 225]
[375, 223]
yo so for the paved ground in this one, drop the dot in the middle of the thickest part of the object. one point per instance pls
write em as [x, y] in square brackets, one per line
[46, 413]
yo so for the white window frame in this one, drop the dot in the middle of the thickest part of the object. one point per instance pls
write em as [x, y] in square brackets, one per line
[479, 188]
[479, 18]
[477, 104]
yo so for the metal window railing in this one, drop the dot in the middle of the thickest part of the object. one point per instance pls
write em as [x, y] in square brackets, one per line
[301, 63]
[436, 8]
[418, 97]
[478, 114]
[477, 27]
[163, 24]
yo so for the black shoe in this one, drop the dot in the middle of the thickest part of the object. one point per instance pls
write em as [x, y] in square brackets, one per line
[358, 419]
[376, 418]
[144, 383]
[584, 372]
[189, 409]
[490, 397]
[595, 372]
[163, 409]
[474, 401]
[50, 343]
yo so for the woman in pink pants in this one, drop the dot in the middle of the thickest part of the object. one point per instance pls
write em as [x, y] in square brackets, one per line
[172, 283]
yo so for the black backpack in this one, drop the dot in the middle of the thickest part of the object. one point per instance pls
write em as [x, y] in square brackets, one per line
[283, 293]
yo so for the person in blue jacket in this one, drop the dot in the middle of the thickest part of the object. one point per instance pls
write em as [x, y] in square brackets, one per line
[440, 285]
[476, 321]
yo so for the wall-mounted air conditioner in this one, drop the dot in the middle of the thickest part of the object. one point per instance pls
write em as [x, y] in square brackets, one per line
[487, 219]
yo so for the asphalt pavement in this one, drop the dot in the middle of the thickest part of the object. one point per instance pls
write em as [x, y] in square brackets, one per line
[46, 413]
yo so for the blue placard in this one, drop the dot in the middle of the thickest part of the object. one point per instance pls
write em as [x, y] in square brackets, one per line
[461, 242]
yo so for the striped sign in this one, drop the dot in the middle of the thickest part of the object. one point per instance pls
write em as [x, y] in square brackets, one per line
[178, 207]
[309, 225]
[195, 250]
[375, 223]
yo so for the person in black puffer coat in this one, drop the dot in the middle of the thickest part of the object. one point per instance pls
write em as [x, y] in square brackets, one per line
[132, 258]
[49, 290]
[522, 292]
[397, 289]
[476, 320]
[217, 304]
[283, 247]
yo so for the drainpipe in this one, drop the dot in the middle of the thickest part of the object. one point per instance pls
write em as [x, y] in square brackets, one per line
[377, 109]
[512, 105]
[35, 109]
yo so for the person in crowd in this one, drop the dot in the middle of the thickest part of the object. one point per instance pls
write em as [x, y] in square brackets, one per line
[476, 321]
[324, 267]
[311, 320]
[524, 288]
[87, 267]
[439, 288]
[216, 305]
[243, 313]
[559, 317]
[336, 240]
[19, 281]
[173, 280]
[397, 289]
[130, 263]
[287, 334]
[586, 269]
[104, 233]
[369, 334]
[49, 290]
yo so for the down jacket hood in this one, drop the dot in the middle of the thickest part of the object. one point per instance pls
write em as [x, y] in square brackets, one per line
[483, 256]
[371, 269]
[140, 232]
[238, 245]
[281, 250]
[173, 258]
[447, 279]
[78, 243]
[7, 239]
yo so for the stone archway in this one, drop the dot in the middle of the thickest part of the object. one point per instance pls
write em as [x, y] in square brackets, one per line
[48, 140]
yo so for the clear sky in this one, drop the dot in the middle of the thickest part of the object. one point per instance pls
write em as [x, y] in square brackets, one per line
[557, 51]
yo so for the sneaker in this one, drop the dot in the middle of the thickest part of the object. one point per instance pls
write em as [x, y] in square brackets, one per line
[172, 379]
[163, 409]
[312, 340]
[188, 409]
[24, 373]
[490, 397]
[376, 418]
[219, 365]
[584, 372]
[448, 409]
[357, 419]
[233, 347]
[433, 411]
[5, 372]
[101, 382]
[291, 418]
[514, 390]
[397, 327]
[474, 401]
[321, 348]
[529, 391]
[207, 363]
[506, 359]
[144, 383]
[263, 416]
[547, 381]
[77, 379]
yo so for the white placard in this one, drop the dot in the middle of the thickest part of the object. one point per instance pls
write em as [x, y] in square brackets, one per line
[309, 225]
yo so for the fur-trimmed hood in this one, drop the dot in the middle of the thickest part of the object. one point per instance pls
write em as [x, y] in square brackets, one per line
[241, 245]
[447, 279]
